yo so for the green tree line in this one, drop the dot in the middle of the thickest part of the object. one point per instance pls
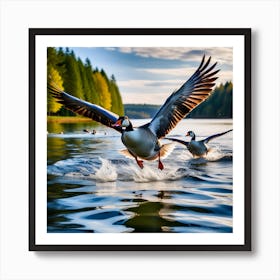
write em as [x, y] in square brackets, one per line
[218, 105]
[81, 80]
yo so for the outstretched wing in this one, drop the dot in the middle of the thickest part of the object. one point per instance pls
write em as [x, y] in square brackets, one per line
[178, 140]
[183, 101]
[206, 140]
[84, 108]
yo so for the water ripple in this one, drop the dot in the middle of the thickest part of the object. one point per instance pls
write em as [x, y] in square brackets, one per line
[93, 188]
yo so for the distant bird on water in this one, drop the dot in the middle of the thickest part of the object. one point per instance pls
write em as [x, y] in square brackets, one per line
[143, 142]
[87, 131]
[197, 148]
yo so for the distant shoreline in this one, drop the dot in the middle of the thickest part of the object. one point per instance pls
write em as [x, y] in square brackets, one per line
[63, 119]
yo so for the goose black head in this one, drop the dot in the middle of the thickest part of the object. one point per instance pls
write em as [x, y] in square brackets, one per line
[191, 134]
[123, 121]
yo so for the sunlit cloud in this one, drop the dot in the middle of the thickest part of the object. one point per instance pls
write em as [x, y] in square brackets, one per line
[141, 84]
[221, 54]
[166, 86]
[147, 91]
[224, 76]
[151, 74]
[171, 71]
[183, 74]
[150, 98]
[155, 91]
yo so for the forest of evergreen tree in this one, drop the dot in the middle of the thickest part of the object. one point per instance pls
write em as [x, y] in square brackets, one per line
[82, 81]
[218, 105]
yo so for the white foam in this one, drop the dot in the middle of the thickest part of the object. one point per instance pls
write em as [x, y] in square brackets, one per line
[184, 155]
[214, 154]
[106, 173]
[149, 173]
[109, 172]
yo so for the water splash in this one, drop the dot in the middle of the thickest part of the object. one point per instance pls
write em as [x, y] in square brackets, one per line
[85, 169]
[215, 154]
[184, 155]
[103, 170]
[149, 173]
[71, 167]
[106, 173]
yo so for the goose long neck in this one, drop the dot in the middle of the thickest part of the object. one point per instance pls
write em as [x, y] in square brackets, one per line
[193, 137]
[130, 127]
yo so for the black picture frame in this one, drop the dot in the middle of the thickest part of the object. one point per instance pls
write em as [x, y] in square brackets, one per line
[33, 35]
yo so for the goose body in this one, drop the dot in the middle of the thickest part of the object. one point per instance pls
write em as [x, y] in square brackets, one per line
[197, 148]
[144, 149]
[143, 142]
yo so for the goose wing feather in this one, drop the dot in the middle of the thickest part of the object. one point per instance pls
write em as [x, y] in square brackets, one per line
[206, 140]
[84, 108]
[181, 102]
[178, 140]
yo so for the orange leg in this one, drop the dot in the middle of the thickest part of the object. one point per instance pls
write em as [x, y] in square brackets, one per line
[160, 165]
[140, 163]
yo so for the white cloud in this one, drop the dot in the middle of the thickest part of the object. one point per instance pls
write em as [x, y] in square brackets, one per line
[125, 49]
[171, 71]
[220, 54]
[149, 98]
[141, 84]
[154, 90]
[182, 75]
[147, 91]
[110, 48]
[224, 76]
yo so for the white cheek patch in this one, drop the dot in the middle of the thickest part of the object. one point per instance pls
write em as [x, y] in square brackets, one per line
[125, 123]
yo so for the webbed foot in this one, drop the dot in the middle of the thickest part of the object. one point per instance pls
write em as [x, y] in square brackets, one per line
[140, 163]
[160, 165]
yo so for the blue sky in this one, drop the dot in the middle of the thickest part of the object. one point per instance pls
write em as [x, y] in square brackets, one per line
[149, 75]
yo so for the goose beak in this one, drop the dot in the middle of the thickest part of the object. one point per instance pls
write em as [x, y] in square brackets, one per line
[118, 123]
[188, 134]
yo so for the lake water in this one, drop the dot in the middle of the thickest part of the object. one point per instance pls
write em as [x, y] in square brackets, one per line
[92, 187]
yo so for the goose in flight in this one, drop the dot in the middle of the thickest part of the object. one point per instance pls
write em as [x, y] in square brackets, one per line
[197, 148]
[143, 142]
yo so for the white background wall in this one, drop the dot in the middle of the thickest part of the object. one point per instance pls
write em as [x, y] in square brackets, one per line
[17, 262]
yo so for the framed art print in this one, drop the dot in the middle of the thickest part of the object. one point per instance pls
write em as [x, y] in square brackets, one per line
[140, 139]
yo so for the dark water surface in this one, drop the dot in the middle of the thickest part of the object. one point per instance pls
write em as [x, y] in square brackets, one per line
[92, 187]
